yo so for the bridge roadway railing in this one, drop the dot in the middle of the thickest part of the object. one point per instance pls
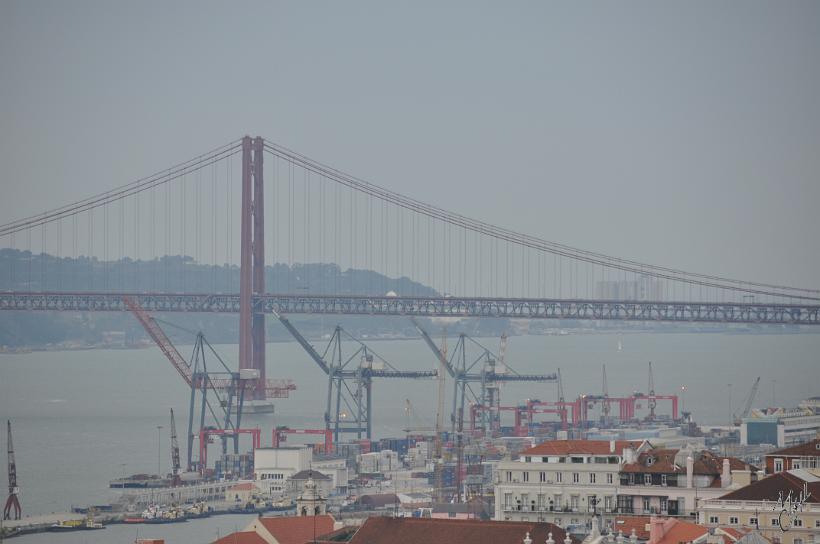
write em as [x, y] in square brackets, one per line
[602, 310]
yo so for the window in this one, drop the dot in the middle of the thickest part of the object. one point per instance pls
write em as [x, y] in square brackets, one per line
[797, 541]
[664, 504]
[663, 479]
[573, 502]
[609, 478]
[509, 476]
[646, 504]
[558, 477]
[542, 477]
[647, 479]
[558, 521]
[608, 504]
[732, 520]
[795, 463]
[713, 519]
[778, 465]
[576, 477]
[526, 476]
[631, 478]
[775, 522]
[817, 524]
[592, 477]
[557, 504]
[507, 500]
[797, 522]
[528, 459]
[753, 522]
[592, 503]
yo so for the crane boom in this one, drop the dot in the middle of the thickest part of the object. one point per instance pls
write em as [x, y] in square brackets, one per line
[747, 404]
[307, 346]
[273, 388]
[160, 339]
[441, 355]
[12, 502]
[175, 464]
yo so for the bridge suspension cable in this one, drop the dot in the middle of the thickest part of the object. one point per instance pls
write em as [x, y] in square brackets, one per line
[143, 184]
[524, 240]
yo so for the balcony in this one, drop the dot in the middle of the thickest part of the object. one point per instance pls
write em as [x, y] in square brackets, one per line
[560, 510]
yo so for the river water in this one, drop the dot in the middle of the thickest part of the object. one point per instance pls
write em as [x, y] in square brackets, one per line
[81, 418]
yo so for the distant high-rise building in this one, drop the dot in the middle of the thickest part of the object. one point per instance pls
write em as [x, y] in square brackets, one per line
[643, 288]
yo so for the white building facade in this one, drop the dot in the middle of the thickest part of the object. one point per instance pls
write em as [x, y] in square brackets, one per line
[564, 482]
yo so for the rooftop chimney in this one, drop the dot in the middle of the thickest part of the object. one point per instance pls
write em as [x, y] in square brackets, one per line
[726, 477]
[690, 472]
[611, 446]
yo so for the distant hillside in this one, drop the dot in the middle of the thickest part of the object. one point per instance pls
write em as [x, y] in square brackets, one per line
[22, 271]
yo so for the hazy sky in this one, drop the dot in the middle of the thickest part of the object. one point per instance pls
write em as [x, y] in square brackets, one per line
[684, 134]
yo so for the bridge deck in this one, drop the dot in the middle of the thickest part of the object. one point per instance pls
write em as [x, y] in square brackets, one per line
[606, 310]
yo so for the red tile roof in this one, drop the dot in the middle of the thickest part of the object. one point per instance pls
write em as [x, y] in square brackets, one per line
[297, 530]
[681, 532]
[248, 537]
[809, 449]
[382, 530]
[589, 447]
[625, 524]
[731, 532]
[663, 462]
[769, 489]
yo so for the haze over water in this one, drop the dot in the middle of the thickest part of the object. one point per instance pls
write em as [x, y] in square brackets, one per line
[81, 418]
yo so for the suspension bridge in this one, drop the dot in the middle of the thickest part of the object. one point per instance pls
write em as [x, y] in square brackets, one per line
[338, 245]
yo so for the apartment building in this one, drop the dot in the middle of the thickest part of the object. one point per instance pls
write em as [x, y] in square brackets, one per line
[670, 482]
[802, 456]
[564, 482]
[784, 507]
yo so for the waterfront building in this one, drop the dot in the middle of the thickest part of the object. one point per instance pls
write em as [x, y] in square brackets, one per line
[782, 427]
[273, 466]
[758, 506]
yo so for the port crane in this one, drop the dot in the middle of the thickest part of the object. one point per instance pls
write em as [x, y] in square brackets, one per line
[467, 368]
[175, 465]
[273, 388]
[12, 502]
[218, 390]
[747, 402]
[652, 402]
[350, 373]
